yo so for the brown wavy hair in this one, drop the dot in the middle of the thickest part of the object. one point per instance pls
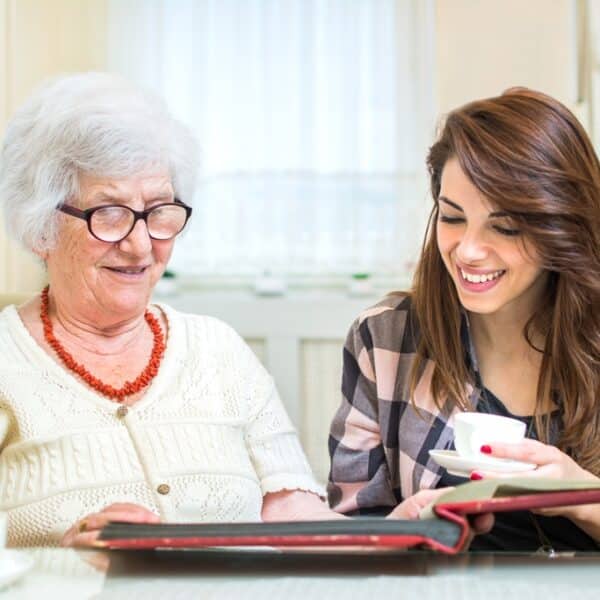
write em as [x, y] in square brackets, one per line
[530, 156]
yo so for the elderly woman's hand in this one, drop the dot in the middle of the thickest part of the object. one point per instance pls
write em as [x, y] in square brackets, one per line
[296, 505]
[549, 461]
[85, 531]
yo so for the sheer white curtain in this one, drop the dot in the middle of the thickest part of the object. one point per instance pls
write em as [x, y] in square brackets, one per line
[313, 118]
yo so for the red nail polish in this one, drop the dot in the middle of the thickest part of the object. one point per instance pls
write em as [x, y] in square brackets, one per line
[475, 476]
[486, 449]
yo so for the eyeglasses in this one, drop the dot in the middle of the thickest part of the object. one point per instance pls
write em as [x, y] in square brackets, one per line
[114, 222]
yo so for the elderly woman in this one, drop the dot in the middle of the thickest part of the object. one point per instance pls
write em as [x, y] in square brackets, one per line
[112, 408]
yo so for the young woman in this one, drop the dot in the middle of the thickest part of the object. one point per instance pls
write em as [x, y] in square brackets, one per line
[503, 317]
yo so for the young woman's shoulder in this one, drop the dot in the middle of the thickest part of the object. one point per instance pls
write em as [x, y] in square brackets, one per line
[394, 302]
[390, 324]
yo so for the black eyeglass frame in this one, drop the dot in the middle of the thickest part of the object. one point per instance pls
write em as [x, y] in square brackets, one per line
[87, 214]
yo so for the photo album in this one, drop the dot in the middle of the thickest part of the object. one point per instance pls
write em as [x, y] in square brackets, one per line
[443, 526]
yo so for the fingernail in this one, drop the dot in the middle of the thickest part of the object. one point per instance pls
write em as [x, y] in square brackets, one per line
[486, 449]
[475, 476]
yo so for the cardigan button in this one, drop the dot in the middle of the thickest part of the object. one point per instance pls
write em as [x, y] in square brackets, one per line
[163, 489]
[122, 412]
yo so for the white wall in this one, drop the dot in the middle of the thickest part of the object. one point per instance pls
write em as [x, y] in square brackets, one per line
[486, 46]
[38, 39]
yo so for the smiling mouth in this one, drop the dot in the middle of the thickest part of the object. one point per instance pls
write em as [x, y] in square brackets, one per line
[127, 270]
[482, 277]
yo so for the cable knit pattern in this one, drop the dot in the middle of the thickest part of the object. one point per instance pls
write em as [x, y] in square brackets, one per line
[211, 426]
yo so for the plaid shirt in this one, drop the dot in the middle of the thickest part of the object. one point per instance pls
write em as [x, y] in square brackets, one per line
[379, 445]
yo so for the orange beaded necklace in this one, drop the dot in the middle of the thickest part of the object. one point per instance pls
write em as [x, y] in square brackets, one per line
[130, 387]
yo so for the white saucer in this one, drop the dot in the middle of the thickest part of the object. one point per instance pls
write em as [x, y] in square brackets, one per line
[462, 466]
[13, 565]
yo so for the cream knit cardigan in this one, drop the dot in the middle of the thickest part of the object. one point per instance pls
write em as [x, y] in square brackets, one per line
[208, 439]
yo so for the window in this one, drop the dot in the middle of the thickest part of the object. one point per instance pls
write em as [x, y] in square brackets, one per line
[313, 118]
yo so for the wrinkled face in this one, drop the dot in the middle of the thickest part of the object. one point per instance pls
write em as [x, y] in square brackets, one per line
[111, 278]
[494, 268]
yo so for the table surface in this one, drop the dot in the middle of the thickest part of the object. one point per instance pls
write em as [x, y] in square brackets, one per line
[65, 573]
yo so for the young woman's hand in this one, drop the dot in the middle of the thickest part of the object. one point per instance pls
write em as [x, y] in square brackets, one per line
[412, 506]
[85, 531]
[548, 461]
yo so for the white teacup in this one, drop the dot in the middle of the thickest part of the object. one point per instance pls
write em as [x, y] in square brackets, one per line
[472, 430]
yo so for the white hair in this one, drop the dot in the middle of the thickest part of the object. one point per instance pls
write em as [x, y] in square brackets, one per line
[92, 123]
